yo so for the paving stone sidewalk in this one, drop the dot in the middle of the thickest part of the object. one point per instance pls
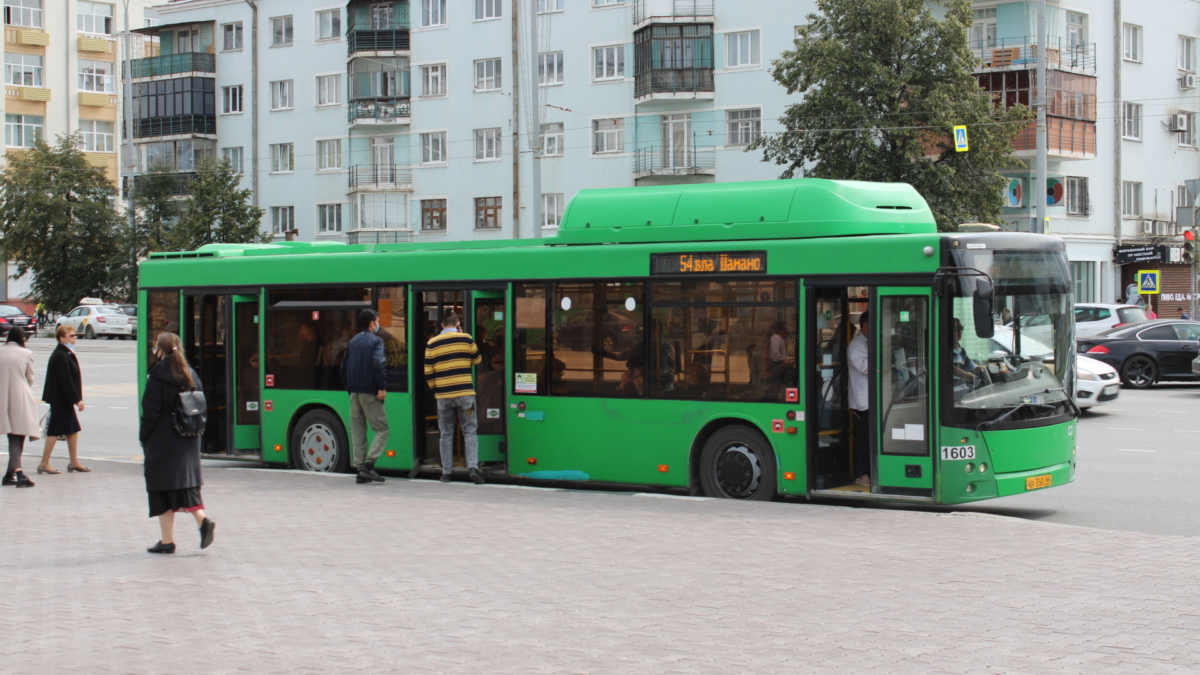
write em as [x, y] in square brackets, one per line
[315, 574]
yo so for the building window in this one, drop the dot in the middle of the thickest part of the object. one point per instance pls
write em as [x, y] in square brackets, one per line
[329, 89]
[381, 77]
[433, 13]
[21, 131]
[1131, 200]
[745, 126]
[97, 136]
[549, 6]
[96, 76]
[487, 75]
[94, 17]
[552, 139]
[1078, 201]
[234, 155]
[433, 215]
[329, 218]
[281, 95]
[232, 33]
[487, 143]
[487, 9]
[1133, 122]
[487, 213]
[741, 49]
[552, 209]
[281, 31]
[1084, 275]
[329, 24]
[283, 157]
[433, 147]
[329, 154]
[382, 16]
[1187, 137]
[609, 62]
[23, 70]
[382, 211]
[609, 136]
[1183, 197]
[607, 3]
[283, 219]
[232, 98]
[1077, 30]
[550, 68]
[1187, 54]
[1131, 40]
[26, 13]
[433, 80]
[185, 39]
[983, 29]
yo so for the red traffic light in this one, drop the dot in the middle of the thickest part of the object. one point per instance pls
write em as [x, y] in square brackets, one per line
[1189, 235]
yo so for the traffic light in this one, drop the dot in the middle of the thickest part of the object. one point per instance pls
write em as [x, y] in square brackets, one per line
[1189, 247]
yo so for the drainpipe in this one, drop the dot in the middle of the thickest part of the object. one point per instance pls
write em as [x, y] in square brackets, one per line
[67, 85]
[253, 102]
[1119, 121]
[1039, 191]
[516, 120]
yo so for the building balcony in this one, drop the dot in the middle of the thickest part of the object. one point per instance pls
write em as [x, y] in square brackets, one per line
[380, 111]
[670, 11]
[373, 177]
[375, 41]
[1065, 139]
[180, 188]
[176, 125]
[174, 64]
[674, 161]
[1021, 53]
[674, 83]
[379, 236]
[32, 37]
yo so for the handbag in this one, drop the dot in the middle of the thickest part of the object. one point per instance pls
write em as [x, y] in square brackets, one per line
[191, 413]
[44, 425]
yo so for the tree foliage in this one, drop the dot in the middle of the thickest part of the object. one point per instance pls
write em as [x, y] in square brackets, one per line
[217, 211]
[156, 209]
[883, 83]
[57, 223]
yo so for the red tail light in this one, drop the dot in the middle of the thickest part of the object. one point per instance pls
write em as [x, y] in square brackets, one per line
[1118, 325]
[1098, 349]
[101, 319]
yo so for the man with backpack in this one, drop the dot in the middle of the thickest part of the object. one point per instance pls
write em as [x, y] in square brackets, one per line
[364, 372]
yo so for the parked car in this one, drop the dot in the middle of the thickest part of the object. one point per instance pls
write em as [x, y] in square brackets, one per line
[1096, 382]
[131, 312]
[11, 316]
[617, 332]
[90, 321]
[1092, 318]
[1145, 353]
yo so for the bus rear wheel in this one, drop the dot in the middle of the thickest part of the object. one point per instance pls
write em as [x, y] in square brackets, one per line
[737, 463]
[319, 443]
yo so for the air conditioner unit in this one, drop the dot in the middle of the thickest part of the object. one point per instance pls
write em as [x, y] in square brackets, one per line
[1187, 81]
[1179, 122]
[1147, 227]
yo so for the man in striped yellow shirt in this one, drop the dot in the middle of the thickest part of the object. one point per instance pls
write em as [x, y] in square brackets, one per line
[448, 360]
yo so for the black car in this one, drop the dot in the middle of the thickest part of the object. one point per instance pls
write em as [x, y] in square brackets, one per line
[1145, 353]
[11, 316]
[131, 312]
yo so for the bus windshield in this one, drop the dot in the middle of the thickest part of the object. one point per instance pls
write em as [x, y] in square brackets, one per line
[1026, 370]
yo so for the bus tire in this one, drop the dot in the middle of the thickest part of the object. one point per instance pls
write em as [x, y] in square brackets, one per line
[319, 443]
[737, 462]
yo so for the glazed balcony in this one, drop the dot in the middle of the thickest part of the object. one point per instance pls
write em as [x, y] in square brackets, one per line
[380, 111]
[174, 64]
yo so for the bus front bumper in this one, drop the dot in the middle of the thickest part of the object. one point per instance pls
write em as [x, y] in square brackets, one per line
[1032, 481]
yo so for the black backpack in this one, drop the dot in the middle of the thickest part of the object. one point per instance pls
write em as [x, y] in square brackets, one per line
[191, 413]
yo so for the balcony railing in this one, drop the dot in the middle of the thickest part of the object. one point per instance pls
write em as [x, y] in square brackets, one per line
[673, 81]
[379, 237]
[671, 9]
[389, 40]
[674, 159]
[387, 175]
[180, 187]
[188, 62]
[1022, 52]
[382, 110]
[147, 127]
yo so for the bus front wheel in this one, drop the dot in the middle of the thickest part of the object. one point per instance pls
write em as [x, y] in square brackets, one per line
[737, 463]
[319, 443]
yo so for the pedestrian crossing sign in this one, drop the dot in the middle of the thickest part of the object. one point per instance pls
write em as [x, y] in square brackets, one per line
[960, 138]
[1148, 282]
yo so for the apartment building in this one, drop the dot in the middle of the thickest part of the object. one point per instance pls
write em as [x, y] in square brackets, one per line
[1122, 136]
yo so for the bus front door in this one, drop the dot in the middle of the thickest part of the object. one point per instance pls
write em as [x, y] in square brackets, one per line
[246, 375]
[904, 380]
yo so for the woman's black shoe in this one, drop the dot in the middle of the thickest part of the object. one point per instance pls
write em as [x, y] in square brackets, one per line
[206, 533]
[161, 548]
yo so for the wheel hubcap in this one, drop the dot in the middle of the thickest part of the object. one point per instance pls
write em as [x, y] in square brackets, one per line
[318, 449]
[738, 471]
[1140, 372]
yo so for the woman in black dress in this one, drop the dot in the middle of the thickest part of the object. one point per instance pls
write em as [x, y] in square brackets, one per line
[64, 392]
[172, 464]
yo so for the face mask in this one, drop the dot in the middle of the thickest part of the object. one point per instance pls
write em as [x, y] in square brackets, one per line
[376, 330]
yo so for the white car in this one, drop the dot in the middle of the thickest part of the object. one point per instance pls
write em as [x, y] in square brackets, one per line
[1096, 382]
[1092, 318]
[92, 321]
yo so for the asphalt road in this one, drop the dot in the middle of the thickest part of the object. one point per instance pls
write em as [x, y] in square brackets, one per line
[1138, 460]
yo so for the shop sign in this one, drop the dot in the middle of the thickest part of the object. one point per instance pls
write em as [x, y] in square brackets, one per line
[1126, 255]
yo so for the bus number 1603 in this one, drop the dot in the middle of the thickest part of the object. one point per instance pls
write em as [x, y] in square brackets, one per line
[958, 452]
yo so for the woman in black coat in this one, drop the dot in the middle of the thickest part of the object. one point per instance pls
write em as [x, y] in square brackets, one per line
[64, 392]
[172, 464]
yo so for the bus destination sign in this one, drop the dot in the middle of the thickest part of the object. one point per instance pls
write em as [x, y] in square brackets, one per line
[739, 262]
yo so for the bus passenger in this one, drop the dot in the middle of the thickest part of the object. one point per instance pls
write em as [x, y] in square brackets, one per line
[858, 354]
[633, 380]
[448, 360]
[699, 380]
[365, 373]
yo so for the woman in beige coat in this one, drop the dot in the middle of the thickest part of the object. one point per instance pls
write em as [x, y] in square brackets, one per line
[18, 409]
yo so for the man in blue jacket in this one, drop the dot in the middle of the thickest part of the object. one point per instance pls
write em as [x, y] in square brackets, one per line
[364, 372]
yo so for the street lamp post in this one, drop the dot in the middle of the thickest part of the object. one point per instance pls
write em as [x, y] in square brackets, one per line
[130, 163]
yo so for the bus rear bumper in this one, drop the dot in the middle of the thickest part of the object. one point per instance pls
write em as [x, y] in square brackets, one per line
[1032, 481]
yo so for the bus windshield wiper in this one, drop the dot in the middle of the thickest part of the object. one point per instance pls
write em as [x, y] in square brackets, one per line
[1010, 413]
[1070, 399]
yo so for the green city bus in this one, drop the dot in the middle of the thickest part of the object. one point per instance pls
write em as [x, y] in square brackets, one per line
[695, 337]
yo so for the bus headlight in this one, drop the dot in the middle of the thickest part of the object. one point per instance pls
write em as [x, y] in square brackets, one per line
[969, 467]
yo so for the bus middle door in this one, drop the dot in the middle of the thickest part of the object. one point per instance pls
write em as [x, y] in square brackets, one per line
[246, 375]
[902, 326]
[488, 313]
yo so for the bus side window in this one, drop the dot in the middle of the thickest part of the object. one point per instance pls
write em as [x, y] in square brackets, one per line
[529, 339]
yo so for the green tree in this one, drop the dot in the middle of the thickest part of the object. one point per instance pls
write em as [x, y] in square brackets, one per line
[217, 210]
[156, 207]
[57, 223]
[883, 83]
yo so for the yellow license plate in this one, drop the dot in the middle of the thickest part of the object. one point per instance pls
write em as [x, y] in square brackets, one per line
[1035, 482]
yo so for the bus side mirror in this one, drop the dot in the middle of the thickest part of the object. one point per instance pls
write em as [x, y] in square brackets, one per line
[982, 306]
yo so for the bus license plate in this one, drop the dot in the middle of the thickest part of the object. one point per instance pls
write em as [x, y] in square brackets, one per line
[1035, 482]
